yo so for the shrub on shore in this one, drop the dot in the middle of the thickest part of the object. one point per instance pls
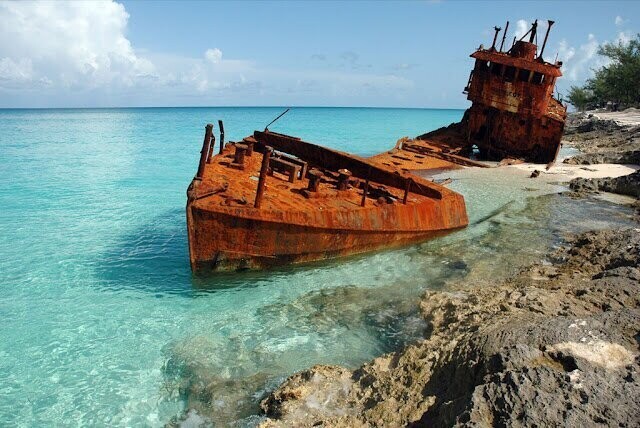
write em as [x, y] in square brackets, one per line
[617, 82]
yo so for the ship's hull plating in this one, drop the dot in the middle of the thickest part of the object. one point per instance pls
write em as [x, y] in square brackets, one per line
[500, 134]
[223, 240]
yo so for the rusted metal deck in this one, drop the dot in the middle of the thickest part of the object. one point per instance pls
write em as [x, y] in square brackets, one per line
[273, 199]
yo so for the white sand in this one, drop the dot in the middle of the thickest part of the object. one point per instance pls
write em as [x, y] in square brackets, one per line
[628, 117]
[561, 172]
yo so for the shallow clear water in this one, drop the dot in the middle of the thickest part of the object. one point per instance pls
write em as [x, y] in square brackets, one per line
[101, 322]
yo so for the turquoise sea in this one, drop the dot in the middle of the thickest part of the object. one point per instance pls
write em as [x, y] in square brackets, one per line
[101, 321]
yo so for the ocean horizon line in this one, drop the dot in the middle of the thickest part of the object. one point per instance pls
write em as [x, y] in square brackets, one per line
[231, 107]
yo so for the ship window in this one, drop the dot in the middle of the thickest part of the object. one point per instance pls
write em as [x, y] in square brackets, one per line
[509, 74]
[496, 68]
[537, 78]
[481, 65]
[481, 133]
[523, 75]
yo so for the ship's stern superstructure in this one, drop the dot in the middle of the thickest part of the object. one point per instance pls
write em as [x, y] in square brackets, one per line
[514, 113]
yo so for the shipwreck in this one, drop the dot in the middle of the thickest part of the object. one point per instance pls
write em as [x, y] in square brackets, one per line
[274, 199]
[513, 113]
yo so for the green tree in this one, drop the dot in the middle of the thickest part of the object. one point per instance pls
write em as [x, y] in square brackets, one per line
[580, 97]
[618, 81]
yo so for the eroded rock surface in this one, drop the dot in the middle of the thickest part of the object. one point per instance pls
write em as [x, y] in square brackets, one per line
[555, 345]
[626, 185]
[601, 140]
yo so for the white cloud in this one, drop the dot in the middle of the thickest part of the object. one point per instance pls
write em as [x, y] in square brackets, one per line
[12, 71]
[579, 62]
[208, 73]
[79, 51]
[69, 44]
[619, 21]
[404, 66]
[213, 55]
[80, 46]
[624, 37]
[522, 26]
[565, 52]
[349, 56]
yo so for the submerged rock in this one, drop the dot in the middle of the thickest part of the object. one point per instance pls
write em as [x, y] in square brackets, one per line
[319, 392]
[554, 345]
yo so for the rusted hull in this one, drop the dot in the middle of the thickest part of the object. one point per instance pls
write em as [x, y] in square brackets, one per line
[223, 241]
[501, 134]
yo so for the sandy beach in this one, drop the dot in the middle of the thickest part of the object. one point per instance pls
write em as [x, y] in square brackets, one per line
[564, 172]
[628, 117]
[589, 141]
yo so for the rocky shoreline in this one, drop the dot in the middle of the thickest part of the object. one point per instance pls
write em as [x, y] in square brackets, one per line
[602, 140]
[557, 344]
[628, 185]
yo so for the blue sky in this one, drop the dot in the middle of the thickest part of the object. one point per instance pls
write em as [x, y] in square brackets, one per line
[398, 54]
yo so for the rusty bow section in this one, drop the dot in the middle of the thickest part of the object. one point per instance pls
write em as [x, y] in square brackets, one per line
[274, 199]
